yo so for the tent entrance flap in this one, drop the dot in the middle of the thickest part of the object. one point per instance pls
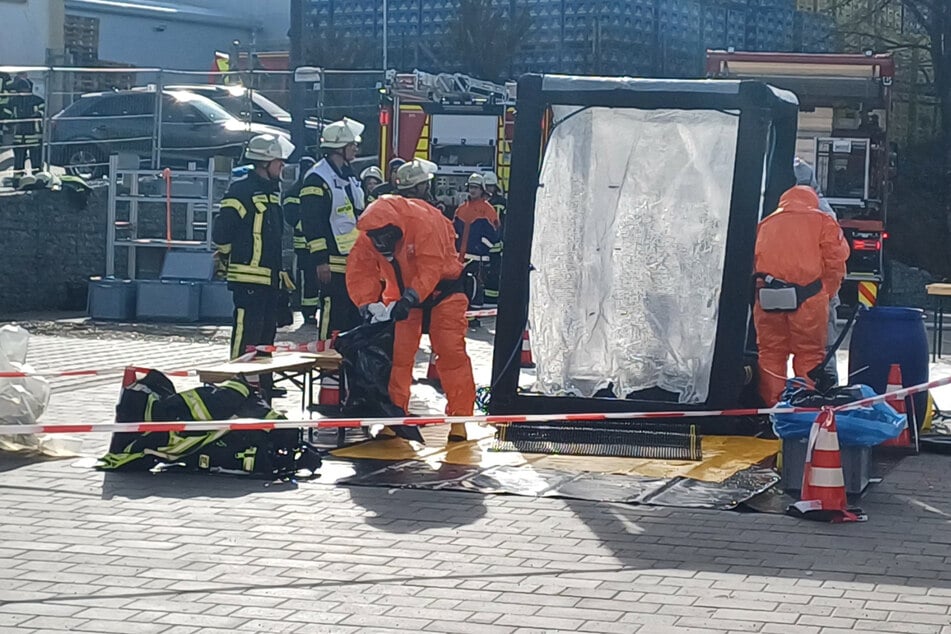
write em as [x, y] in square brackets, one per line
[629, 246]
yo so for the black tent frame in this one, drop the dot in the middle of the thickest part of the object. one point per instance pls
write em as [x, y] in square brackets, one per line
[766, 140]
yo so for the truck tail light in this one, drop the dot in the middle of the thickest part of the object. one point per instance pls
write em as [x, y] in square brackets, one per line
[385, 117]
[867, 245]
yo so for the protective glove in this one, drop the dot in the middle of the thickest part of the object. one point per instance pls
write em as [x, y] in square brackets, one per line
[401, 309]
[379, 312]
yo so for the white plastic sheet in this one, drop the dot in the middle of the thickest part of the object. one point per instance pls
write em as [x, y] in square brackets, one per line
[629, 247]
[22, 400]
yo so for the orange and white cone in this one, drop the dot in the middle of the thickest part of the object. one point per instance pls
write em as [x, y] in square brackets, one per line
[527, 361]
[129, 377]
[823, 496]
[903, 440]
[329, 391]
[432, 373]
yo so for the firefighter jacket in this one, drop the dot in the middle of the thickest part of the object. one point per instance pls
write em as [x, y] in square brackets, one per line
[426, 254]
[291, 207]
[381, 190]
[331, 200]
[477, 226]
[28, 110]
[248, 231]
[6, 109]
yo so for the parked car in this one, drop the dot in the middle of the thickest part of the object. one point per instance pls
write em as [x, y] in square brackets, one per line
[254, 106]
[193, 128]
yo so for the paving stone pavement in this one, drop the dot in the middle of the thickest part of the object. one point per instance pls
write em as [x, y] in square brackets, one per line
[82, 551]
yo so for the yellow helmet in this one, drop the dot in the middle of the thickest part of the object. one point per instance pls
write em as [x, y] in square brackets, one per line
[268, 147]
[415, 172]
[476, 179]
[341, 133]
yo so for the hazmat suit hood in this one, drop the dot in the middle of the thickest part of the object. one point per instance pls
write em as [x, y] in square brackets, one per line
[424, 255]
[799, 198]
[806, 175]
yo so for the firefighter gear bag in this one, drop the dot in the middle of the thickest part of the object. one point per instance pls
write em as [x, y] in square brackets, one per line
[278, 453]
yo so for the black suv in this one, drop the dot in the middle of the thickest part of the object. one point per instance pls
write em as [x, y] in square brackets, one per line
[193, 128]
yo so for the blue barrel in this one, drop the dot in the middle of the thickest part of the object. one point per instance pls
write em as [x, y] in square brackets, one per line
[885, 335]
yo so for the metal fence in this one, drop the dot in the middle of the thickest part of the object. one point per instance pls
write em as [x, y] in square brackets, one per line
[65, 119]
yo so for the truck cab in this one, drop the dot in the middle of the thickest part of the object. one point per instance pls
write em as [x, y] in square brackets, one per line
[843, 133]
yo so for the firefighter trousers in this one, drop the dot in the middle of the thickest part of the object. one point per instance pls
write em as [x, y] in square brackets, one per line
[337, 312]
[447, 333]
[255, 322]
[21, 153]
[307, 283]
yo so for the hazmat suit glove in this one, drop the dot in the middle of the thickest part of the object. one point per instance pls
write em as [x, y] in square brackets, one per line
[409, 300]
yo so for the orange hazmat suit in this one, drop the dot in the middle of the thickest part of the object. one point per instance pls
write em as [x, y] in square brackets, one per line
[429, 264]
[798, 244]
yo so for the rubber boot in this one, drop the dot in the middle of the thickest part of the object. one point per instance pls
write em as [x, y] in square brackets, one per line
[457, 432]
[385, 434]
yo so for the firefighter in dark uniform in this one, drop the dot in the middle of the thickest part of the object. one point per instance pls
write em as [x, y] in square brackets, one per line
[247, 233]
[331, 200]
[28, 110]
[497, 199]
[6, 110]
[306, 272]
[389, 187]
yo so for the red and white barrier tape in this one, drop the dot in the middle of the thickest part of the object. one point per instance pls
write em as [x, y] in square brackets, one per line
[312, 347]
[337, 423]
[488, 312]
[97, 372]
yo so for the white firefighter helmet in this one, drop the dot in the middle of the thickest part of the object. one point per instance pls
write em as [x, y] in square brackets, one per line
[476, 179]
[491, 179]
[341, 133]
[268, 147]
[372, 172]
[415, 172]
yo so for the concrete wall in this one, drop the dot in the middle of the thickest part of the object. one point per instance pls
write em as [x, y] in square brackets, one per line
[30, 28]
[50, 249]
[154, 41]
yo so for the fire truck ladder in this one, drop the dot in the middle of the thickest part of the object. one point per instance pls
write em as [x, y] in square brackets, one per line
[452, 87]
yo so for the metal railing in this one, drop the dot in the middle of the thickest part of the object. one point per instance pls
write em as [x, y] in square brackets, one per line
[79, 117]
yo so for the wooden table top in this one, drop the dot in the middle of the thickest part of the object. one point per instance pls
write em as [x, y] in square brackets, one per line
[939, 289]
[289, 362]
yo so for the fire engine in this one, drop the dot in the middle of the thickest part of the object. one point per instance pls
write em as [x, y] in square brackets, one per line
[843, 132]
[462, 124]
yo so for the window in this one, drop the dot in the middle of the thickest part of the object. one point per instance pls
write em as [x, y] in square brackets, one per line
[122, 105]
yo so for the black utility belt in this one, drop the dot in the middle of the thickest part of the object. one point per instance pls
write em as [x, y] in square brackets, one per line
[777, 295]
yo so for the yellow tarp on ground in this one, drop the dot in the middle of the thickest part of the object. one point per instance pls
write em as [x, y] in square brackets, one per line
[722, 456]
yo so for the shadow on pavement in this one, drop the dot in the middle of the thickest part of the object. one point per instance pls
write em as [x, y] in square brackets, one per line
[410, 511]
[903, 543]
[137, 486]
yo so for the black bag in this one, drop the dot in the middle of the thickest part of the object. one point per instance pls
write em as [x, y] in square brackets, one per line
[367, 352]
[279, 453]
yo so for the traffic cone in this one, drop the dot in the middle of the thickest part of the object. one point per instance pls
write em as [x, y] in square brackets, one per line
[329, 392]
[903, 440]
[432, 374]
[129, 377]
[527, 361]
[823, 495]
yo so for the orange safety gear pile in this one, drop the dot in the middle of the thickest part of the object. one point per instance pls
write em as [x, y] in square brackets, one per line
[427, 263]
[799, 245]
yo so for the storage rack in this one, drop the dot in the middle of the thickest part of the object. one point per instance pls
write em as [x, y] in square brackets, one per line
[126, 209]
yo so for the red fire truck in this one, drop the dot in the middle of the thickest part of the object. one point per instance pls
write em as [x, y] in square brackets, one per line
[462, 124]
[843, 133]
